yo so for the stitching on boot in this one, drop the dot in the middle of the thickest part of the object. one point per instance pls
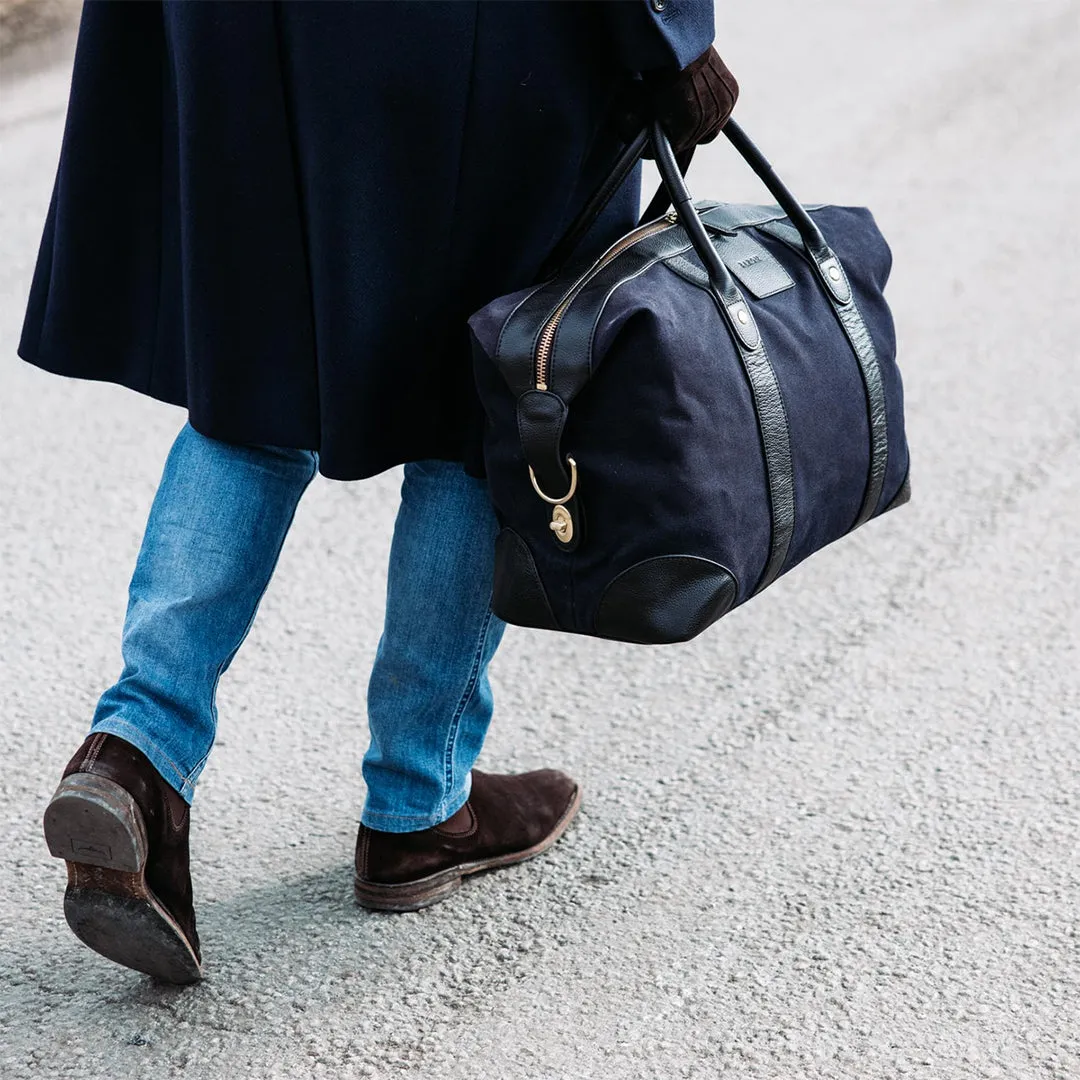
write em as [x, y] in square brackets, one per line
[92, 752]
[365, 837]
[174, 825]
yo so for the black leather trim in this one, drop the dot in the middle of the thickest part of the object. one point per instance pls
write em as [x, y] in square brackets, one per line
[765, 389]
[518, 595]
[541, 417]
[516, 347]
[727, 217]
[902, 496]
[665, 599]
[850, 318]
[852, 321]
[776, 445]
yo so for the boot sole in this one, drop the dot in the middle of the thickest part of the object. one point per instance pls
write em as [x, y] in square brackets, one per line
[94, 825]
[422, 893]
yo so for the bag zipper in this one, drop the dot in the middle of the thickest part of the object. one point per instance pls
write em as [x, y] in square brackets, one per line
[547, 334]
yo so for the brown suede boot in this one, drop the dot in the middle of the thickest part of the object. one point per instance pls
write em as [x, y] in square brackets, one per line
[507, 819]
[123, 832]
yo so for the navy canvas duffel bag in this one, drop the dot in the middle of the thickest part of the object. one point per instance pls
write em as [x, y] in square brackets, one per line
[673, 426]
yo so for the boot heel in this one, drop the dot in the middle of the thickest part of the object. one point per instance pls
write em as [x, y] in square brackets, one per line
[408, 897]
[93, 821]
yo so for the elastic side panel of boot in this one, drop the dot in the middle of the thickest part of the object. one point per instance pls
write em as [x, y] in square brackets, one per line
[665, 599]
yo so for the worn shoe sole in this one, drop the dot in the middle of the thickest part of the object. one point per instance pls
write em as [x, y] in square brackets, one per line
[423, 892]
[95, 826]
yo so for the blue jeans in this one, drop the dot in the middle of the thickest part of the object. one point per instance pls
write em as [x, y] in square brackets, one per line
[215, 531]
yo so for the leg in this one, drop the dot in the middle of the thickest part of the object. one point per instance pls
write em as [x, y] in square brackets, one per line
[120, 815]
[430, 818]
[429, 698]
[212, 540]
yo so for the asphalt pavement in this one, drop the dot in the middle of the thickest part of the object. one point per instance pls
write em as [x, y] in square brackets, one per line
[837, 836]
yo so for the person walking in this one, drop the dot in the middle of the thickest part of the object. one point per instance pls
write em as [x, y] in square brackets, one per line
[278, 216]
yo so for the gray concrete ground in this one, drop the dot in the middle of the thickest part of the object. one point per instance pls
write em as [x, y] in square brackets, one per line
[837, 836]
[26, 24]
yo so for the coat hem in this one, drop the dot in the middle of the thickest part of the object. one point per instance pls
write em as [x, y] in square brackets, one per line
[332, 470]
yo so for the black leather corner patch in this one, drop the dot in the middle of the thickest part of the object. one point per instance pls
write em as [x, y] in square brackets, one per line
[518, 594]
[665, 599]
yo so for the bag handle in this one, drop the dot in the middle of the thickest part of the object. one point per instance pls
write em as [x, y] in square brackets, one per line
[823, 257]
[673, 168]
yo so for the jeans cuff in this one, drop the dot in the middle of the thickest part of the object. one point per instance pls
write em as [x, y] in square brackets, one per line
[169, 770]
[403, 823]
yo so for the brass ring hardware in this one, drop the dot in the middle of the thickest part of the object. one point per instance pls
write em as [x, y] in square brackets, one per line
[568, 496]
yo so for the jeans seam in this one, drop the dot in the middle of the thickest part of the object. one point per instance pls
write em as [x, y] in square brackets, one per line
[254, 611]
[466, 697]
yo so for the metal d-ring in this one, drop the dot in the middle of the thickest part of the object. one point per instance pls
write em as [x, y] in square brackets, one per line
[573, 484]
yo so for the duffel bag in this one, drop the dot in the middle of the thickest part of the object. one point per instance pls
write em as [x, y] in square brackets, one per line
[673, 426]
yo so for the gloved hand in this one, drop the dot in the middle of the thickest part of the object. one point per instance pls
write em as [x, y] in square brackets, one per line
[692, 104]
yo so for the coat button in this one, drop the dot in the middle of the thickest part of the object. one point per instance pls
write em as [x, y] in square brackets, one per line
[659, 5]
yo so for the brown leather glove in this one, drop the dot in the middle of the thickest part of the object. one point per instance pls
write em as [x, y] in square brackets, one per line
[692, 104]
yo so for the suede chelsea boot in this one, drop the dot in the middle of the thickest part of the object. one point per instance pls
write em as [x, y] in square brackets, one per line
[123, 832]
[506, 820]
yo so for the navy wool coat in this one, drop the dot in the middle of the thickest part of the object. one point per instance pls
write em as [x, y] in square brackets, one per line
[279, 215]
